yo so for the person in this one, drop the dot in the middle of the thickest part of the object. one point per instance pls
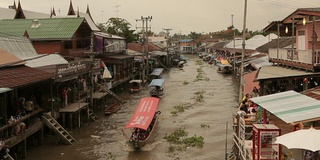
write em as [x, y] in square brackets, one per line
[251, 116]
[243, 106]
[15, 128]
[246, 97]
[28, 107]
[309, 155]
[255, 92]
[64, 95]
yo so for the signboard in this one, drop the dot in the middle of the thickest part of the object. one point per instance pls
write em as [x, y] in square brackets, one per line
[72, 69]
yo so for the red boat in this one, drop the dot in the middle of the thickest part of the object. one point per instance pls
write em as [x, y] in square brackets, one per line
[143, 121]
[112, 109]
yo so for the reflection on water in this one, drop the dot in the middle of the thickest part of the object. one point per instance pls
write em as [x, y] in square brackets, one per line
[219, 102]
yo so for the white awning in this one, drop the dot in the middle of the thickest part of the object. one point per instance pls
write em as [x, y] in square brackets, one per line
[290, 106]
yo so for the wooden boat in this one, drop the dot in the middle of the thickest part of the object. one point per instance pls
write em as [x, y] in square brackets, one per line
[156, 73]
[143, 121]
[156, 87]
[224, 67]
[112, 109]
[135, 85]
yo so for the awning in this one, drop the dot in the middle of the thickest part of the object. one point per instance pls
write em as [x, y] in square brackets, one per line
[144, 113]
[156, 82]
[3, 90]
[275, 72]
[157, 72]
[290, 106]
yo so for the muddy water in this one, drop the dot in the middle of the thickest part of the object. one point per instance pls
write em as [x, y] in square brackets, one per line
[105, 138]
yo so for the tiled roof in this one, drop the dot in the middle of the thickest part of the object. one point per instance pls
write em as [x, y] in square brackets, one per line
[13, 77]
[47, 28]
[313, 93]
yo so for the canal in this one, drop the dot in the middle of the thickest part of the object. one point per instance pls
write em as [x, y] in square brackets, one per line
[208, 100]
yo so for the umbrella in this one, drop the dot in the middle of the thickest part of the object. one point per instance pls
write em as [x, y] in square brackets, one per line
[308, 139]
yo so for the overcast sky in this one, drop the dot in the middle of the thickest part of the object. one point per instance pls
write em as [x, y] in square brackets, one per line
[185, 16]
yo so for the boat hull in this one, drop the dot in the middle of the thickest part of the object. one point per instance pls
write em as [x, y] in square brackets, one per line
[112, 109]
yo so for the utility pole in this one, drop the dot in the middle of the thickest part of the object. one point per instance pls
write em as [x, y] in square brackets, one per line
[145, 50]
[91, 54]
[243, 50]
[167, 36]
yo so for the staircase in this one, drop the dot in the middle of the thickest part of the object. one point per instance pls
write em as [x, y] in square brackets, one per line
[115, 95]
[8, 157]
[92, 115]
[54, 125]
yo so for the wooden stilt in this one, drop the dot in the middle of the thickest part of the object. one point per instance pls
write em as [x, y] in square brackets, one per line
[24, 151]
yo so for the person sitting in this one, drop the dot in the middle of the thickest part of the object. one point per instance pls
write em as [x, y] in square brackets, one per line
[15, 128]
[28, 107]
[243, 106]
[251, 117]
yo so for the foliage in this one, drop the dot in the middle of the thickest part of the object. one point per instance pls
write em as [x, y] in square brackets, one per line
[119, 27]
[194, 35]
[185, 83]
[180, 108]
[199, 96]
[179, 141]
[205, 126]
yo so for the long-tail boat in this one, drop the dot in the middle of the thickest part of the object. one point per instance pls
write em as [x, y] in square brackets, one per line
[143, 121]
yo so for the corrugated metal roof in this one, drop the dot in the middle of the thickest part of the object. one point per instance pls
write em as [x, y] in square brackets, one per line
[290, 106]
[6, 13]
[8, 59]
[274, 72]
[109, 36]
[21, 75]
[185, 40]
[46, 60]
[260, 62]
[20, 47]
[48, 28]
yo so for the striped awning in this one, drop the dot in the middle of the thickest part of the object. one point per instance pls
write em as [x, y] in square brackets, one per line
[290, 106]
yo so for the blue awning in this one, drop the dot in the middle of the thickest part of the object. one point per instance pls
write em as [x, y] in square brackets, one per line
[157, 72]
[156, 82]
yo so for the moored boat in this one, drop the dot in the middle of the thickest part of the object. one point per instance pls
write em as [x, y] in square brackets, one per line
[156, 87]
[143, 121]
[224, 67]
[112, 109]
[135, 85]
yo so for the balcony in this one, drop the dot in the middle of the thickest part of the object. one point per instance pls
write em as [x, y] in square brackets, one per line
[301, 59]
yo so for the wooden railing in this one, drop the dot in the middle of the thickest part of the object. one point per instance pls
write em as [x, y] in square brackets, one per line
[21, 119]
[301, 56]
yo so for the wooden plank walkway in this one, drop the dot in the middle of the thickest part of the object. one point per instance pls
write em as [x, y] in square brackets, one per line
[73, 107]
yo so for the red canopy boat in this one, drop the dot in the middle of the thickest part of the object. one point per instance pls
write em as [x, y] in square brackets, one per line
[143, 121]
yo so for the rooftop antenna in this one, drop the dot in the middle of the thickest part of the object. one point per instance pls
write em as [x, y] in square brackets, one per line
[117, 10]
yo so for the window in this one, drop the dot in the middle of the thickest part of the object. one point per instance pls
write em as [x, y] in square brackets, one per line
[67, 44]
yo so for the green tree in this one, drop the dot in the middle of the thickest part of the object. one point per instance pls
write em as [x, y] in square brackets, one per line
[119, 27]
[194, 35]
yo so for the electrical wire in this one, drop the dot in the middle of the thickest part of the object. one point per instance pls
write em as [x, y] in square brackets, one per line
[287, 4]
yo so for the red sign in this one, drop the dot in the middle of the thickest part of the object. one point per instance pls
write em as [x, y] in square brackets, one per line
[144, 113]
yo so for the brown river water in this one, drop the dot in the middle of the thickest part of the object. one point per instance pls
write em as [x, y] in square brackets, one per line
[104, 138]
